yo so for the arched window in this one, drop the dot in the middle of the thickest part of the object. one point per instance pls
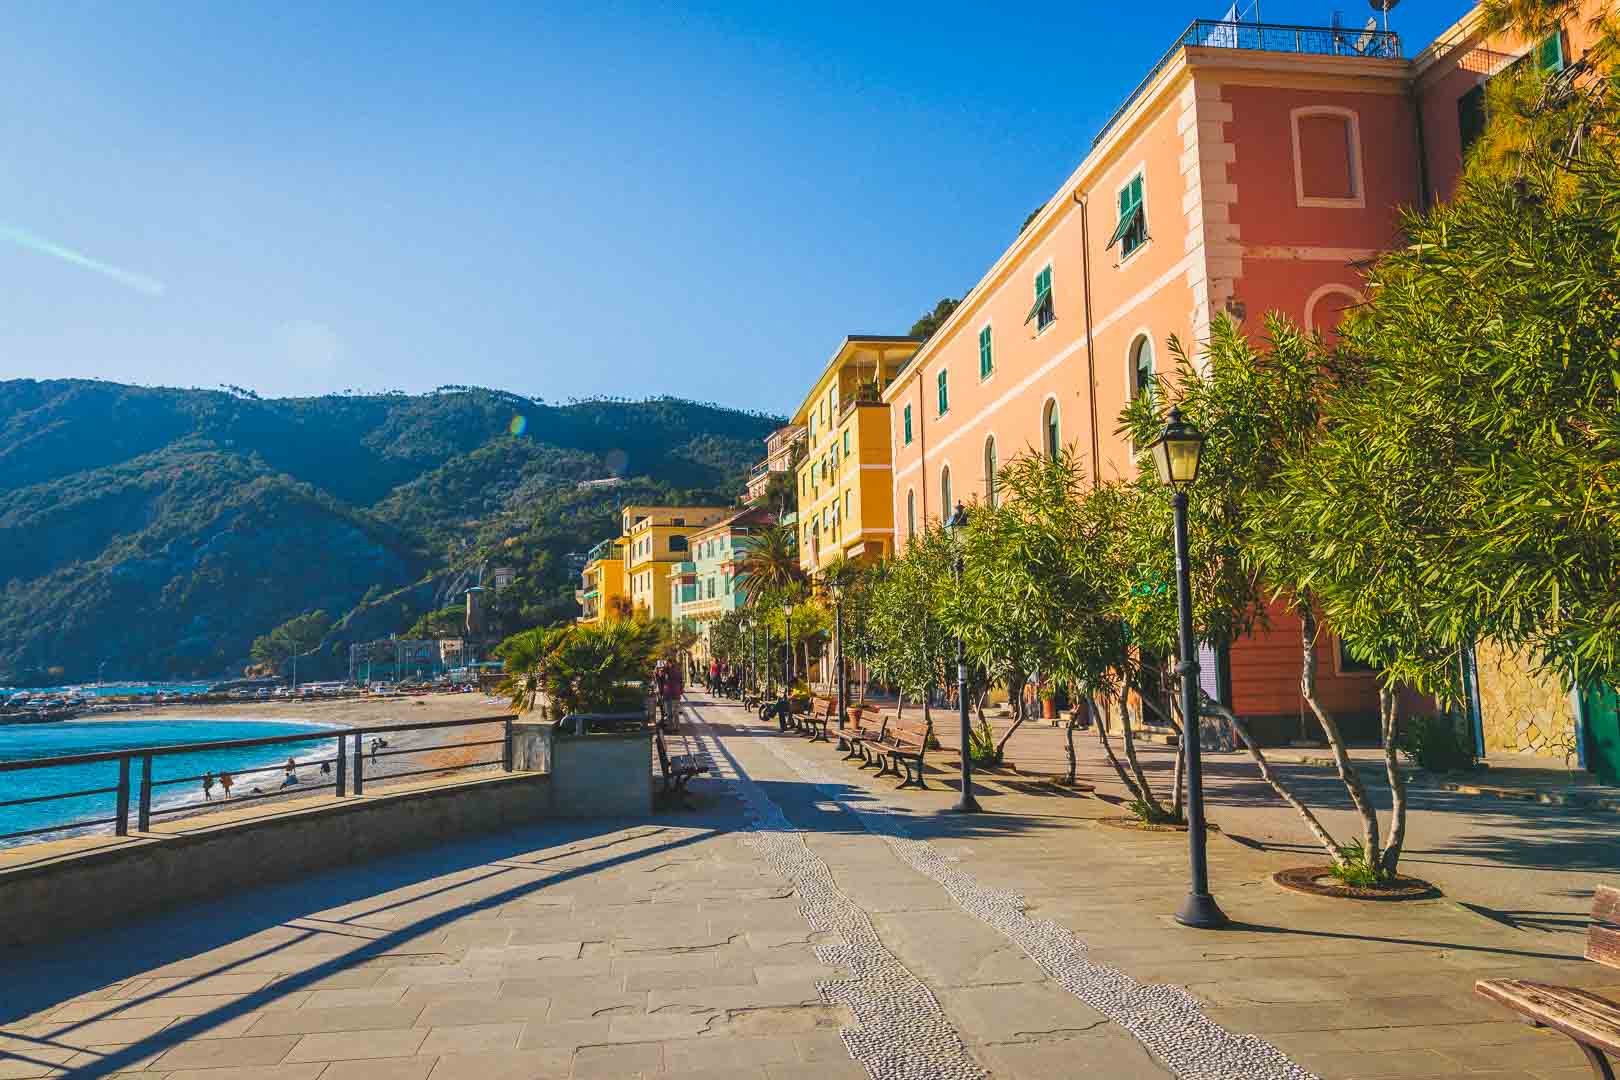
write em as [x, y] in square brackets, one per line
[945, 492]
[1051, 435]
[990, 471]
[911, 515]
[1142, 380]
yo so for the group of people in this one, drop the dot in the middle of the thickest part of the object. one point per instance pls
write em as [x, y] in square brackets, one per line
[722, 678]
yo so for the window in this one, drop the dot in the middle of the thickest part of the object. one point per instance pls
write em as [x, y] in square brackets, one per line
[987, 363]
[677, 521]
[1042, 310]
[990, 471]
[677, 543]
[1130, 232]
[846, 442]
[945, 491]
[944, 392]
[1349, 664]
[1051, 439]
[1141, 366]
[1327, 157]
[1550, 54]
[911, 514]
[905, 423]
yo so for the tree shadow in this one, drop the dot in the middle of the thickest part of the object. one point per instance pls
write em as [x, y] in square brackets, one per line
[39, 977]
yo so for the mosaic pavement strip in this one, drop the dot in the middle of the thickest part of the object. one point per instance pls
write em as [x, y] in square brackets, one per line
[1165, 1019]
[901, 1030]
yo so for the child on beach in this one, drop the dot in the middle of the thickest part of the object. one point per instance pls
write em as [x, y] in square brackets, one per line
[208, 785]
[225, 782]
[292, 774]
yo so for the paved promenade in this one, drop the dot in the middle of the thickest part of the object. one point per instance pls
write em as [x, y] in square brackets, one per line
[803, 919]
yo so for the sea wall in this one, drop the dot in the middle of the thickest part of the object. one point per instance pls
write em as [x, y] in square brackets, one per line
[68, 889]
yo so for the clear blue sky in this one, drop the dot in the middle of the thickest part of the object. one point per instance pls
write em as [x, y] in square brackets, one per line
[556, 200]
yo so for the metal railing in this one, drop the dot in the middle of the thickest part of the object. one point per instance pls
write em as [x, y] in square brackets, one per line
[1266, 37]
[136, 787]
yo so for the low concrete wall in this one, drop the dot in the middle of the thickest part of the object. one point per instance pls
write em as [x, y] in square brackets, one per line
[78, 890]
[602, 775]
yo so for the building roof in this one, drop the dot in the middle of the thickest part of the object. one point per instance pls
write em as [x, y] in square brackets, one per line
[747, 517]
[841, 357]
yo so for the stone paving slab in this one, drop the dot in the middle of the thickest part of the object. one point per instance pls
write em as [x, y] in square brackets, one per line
[675, 946]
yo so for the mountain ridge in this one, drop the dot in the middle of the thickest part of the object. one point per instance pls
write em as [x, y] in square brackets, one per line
[160, 529]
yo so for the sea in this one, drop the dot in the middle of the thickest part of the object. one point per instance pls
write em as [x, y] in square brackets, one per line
[262, 767]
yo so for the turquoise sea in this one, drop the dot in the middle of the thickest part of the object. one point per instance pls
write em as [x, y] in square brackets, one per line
[26, 741]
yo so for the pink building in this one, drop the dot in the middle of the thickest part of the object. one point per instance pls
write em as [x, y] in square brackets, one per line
[1252, 170]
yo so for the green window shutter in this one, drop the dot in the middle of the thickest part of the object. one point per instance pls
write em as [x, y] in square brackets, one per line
[1471, 117]
[1136, 191]
[944, 394]
[1550, 54]
[1043, 295]
[846, 444]
[907, 424]
[986, 361]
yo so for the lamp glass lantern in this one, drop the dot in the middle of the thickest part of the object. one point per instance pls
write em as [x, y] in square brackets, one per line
[1177, 452]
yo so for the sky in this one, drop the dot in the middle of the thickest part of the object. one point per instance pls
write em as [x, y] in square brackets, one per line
[557, 200]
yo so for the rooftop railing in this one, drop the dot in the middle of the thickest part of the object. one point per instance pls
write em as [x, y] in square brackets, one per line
[1266, 37]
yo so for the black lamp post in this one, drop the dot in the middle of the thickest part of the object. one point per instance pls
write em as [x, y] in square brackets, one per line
[838, 650]
[1175, 458]
[967, 804]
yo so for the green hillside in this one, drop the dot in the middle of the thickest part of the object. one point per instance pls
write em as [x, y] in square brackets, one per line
[162, 530]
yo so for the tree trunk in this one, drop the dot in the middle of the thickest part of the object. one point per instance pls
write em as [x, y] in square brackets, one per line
[1130, 751]
[1018, 719]
[1068, 741]
[1102, 719]
[1179, 778]
[1242, 730]
[1389, 706]
[1330, 727]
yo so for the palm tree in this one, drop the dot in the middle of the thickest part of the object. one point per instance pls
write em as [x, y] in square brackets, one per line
[769, 571]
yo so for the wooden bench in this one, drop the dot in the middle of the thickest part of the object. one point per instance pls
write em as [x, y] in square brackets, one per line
[814, 723]
[864, 732]
[1589, 1019]
[902, 747]
[676, 771]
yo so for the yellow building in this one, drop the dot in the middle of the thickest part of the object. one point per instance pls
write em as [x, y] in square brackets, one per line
[656, 539]
[845, 482]
[603, 591]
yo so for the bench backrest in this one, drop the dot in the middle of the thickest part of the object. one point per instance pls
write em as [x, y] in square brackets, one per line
[1603, 937]
[911, 731]
[663, 753]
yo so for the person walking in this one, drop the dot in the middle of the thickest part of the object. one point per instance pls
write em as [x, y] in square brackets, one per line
[292, 774]
[225, 782]
[208, 785]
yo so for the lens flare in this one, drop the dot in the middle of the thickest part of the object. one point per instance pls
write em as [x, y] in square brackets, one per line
[28, 241]
[519, 425]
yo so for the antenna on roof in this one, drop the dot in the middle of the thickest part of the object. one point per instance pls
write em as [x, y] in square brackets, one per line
[1386, 6]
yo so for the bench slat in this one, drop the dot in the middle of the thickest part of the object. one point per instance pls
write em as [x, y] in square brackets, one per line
[1580, 1014]
[1606, 905]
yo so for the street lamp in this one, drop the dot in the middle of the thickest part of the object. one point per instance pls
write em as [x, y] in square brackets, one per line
[835, 585]
[1175, 459]
[967, 804]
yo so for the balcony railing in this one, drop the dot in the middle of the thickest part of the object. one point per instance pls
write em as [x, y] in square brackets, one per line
[1266, 37]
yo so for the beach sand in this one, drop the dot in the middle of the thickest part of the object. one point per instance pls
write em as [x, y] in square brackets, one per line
[455, 750]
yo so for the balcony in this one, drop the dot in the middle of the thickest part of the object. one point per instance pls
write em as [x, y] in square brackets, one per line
[1267, 37]
[607, 549]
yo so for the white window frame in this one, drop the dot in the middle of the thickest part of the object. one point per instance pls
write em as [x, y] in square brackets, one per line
[1356, 202]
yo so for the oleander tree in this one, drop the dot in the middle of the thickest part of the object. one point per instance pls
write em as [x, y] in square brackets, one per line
[914, 646]
[1261, 407]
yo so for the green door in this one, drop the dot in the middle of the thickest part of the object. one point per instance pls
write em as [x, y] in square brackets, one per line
[1602, 720]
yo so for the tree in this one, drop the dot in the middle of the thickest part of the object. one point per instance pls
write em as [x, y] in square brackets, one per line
[446, 622]
[526, 660]
[1261, 410]
[769, 573]
[581, 668]
[296, 636]
[924, 328]
[913, 642]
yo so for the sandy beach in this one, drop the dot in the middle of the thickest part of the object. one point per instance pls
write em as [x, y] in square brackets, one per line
[415, 752]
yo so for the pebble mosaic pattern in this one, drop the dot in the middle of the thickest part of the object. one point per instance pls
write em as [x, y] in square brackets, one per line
[902, 1031]
[1165, 1019]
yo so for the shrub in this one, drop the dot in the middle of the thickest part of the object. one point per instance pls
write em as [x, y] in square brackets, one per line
[1353, 868]
[982, 744]
[1434, 744]
[1149, 814]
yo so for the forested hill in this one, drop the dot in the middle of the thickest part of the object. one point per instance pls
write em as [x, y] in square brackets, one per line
[161, 530]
